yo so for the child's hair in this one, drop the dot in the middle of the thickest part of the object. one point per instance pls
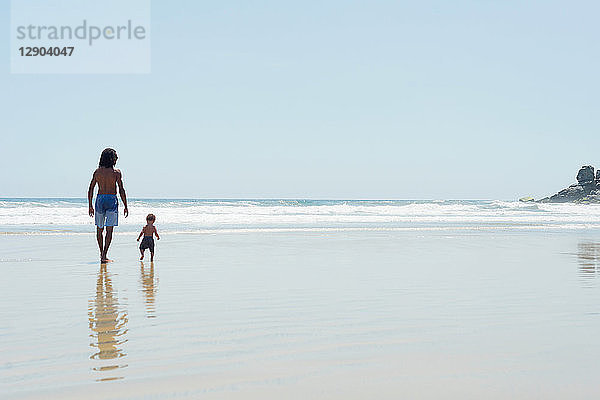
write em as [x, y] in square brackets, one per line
[108, 158]
[150, 217]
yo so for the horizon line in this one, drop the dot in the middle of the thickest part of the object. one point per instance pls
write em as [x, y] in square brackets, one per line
[267, 198]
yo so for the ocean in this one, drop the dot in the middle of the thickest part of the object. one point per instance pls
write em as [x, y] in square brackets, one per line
[67, 216]
[302, 299]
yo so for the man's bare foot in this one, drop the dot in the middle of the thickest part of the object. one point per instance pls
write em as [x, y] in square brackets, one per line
[104, 259]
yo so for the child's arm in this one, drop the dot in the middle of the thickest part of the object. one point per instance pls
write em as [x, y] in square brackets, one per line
[141, 233]
[156, 233]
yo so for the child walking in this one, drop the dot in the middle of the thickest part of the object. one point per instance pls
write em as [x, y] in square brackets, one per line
[148, 231]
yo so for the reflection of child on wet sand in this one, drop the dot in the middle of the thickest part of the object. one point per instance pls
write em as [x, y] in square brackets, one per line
[148, 242]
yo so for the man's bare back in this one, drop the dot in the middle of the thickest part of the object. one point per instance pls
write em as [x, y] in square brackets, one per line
[107, 179]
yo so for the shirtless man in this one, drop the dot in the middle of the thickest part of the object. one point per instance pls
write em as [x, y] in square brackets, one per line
[107, 214]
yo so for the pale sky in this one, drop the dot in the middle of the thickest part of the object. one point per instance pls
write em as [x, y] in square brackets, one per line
[322, 99]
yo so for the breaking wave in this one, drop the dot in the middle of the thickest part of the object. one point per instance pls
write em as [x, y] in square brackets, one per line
[70, 216]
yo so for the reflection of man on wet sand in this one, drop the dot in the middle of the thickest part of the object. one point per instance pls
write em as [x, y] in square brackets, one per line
[105, 321]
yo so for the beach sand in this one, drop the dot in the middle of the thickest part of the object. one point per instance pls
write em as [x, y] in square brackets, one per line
[297, 315]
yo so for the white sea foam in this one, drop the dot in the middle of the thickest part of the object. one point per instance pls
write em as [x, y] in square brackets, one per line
[66, 215]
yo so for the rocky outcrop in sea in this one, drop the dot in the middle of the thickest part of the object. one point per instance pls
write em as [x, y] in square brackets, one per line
[586, 190]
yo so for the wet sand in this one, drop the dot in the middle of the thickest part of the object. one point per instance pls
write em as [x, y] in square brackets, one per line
[326, 315]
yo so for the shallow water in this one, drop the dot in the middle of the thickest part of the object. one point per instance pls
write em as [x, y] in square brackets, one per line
[320, 314]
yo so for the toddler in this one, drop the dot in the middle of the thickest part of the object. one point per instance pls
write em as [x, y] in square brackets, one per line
[148, 242]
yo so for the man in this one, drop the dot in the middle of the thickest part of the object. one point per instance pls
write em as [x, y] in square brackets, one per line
[107, 178]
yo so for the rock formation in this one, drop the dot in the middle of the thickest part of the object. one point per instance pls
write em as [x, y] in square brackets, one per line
[585, 174]
[586, 190]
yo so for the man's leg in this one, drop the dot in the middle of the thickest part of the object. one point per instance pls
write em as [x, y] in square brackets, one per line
[100, 241]
[151, 255]
[142, 253]
[107, 240]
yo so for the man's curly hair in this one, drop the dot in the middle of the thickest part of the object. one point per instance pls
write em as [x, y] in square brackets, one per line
[108, 158]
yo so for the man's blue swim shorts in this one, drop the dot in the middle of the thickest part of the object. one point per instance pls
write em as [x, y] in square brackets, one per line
[107, 213]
